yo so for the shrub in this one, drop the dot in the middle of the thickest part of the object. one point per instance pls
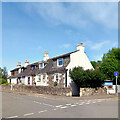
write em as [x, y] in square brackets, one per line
[55, 83]
[87, 78]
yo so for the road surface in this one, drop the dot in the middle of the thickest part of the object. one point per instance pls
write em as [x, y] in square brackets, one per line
[23, 106]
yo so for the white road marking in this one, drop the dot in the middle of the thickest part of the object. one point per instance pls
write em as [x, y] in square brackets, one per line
[42, 111]
[81, 104]
[59, 106]
[48, 104]
[73, 105]
[76, 103]
[28, 114]
[68, 104]
[13, 117]
[64, 107]
[37, 102]
[93, 102]
[54, 109]
[88, 103]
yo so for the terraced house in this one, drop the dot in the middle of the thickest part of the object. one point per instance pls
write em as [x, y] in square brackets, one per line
[51, 71]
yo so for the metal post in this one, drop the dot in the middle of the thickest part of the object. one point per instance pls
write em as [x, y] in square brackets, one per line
[116, 85]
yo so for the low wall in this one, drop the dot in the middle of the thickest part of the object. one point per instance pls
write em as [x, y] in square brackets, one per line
[39, 90]
[92, 91]
[54, 90]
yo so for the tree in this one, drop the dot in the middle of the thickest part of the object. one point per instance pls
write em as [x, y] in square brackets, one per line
[77, 75]
[95, 64]
[87, 78]
[111, 63]
[3, 75]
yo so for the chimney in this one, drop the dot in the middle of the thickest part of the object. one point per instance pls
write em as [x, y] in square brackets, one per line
[26, 63]
[81, 47]
[19, 65]
[46, 56]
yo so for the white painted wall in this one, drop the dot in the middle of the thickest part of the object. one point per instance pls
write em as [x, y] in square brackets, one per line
[13, 80]
[78, 58]
[113, 89]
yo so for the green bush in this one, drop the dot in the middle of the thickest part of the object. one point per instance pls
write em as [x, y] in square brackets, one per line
[55, 83]
[3, 81]
[87, 78]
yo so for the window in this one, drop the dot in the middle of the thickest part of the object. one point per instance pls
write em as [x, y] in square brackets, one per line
[32, 68]
[44, 77]
[41, 65]
[22, 70]
[28, 80]
[10, 80]
[60, 61]
[39, 78]
[56, 77]
[23, 77]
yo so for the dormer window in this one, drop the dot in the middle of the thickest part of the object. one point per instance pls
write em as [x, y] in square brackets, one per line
[33, 67]
[22, 70]
[60, 62]
[41, 65]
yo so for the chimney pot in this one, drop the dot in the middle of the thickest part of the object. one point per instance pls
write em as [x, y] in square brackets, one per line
[26, 63]
[80, 47]
[19, 65]
[46, 56]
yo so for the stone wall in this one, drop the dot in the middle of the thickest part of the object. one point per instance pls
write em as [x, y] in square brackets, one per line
[61, 81]
[39, 89]
[92, 91]
[61, 91]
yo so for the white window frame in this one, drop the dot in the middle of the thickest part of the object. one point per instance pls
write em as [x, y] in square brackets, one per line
[39, 78]
[44, 80]
[42, 65]
[58, 62]
[55, 77]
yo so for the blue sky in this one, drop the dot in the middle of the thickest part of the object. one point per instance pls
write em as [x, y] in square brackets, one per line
[31, 28]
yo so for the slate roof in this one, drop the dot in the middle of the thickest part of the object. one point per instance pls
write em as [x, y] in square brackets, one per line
[49, 68]
[63, 55]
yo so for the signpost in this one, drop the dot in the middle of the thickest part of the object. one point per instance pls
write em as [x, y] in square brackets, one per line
[116, 75]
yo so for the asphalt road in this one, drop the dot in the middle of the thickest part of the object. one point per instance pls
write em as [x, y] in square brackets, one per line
[23, 106]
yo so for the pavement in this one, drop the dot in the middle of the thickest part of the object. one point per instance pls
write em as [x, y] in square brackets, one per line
[25, 105]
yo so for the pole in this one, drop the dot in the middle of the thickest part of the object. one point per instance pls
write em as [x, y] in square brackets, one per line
[116, 85]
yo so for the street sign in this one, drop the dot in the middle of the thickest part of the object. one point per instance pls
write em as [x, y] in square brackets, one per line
[115, 73]
[108, 84]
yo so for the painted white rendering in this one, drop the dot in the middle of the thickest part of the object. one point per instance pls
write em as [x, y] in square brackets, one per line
[12, 80]
[78, 58]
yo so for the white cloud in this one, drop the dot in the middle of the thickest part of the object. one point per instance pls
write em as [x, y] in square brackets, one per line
[76, 14]
[103, 13]
[97, 46]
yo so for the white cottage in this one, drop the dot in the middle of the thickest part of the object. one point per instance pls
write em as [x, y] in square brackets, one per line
[51, 71]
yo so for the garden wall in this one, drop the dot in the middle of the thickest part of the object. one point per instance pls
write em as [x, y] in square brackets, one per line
[54, 90]
[39, 89]
[93, 91]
